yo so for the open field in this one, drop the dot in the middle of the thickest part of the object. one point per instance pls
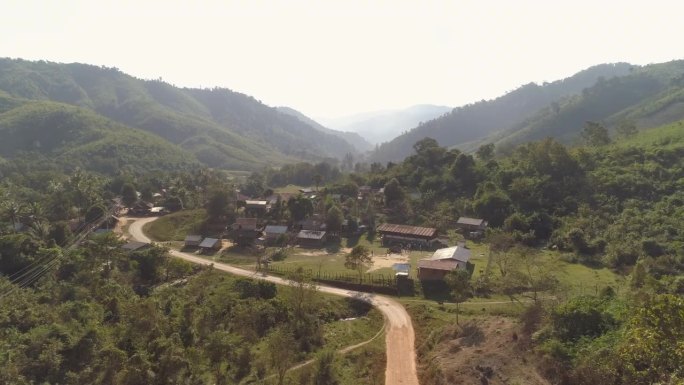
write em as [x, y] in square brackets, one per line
[175, 226]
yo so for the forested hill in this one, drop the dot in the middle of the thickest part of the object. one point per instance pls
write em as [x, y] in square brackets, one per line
[44, 134]
[353, 138]
[649, 96]
[220, 127]
[476, 121]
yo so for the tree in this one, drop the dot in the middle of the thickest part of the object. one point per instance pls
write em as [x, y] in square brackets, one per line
[325, 369]
[626, 129]
[220, 204]
[358, 259]
[128, 195]
[279, 352]
[485, 152]
[653, 348]
[334, 219]
[299, 207]
[317, 179]
[393, 192]
[459, 282]
[594, 134]
[530, 273]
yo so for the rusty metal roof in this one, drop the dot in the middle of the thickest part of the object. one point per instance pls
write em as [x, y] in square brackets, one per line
[407, 230]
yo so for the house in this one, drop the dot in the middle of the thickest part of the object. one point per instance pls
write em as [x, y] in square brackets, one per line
[158, 211]
[409, 236]
[471, 224]
[245, 231]
[365, 191]
[257, 208]
[134, 246]
[193, 240]
[311, 238]
[443, 261]
[273, 232]
[314, 223]
[210, 244]
[140, 208]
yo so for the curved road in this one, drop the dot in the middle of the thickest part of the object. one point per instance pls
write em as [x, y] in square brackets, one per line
[399, 338]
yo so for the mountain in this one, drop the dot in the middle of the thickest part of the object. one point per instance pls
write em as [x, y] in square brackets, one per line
[356, 140]
[477, 121]
[220, 127]
[649, 96]
[69, 136]
[382, 126]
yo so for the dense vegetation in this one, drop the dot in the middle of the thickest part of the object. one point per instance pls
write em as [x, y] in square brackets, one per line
[220, 127]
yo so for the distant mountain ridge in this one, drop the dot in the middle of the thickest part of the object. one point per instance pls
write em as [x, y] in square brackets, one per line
[479, 120]
[382, 126]
[352, 138]
[648, 96]
[219, 127]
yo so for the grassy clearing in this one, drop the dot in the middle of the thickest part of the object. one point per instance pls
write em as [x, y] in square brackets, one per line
[175, 226]
[341, 334]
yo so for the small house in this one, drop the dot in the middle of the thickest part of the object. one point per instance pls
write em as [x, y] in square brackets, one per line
[443, 261]
[468, 225]
[311, 238]
[140, 208]
[193, 240]
[158, 211]
[245, 231]
[409, 236]
[257, 208]
[209, 245]
[133, 246]
[273, 232]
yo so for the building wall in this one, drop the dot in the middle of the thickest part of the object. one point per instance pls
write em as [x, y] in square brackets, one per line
[430, 274]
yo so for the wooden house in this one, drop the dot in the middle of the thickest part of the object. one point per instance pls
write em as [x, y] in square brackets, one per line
[311, 238]
[468, 225]
[443, 261]
[209, 245]
[408, 236]
[193, 240]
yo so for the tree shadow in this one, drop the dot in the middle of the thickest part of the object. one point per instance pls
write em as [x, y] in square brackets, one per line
[352, 240]
[471, 335]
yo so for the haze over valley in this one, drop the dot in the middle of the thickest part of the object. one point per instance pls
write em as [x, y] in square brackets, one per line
[341, 193]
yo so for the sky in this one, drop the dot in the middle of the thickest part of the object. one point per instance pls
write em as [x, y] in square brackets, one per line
[334, 58]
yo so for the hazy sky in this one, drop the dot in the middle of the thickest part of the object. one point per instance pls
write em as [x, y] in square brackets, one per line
[330, 58]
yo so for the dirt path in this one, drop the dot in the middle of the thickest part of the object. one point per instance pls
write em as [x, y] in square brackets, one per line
[399, 337]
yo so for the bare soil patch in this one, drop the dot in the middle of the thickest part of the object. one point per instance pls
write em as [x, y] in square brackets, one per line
[387, 260]
[484, 351]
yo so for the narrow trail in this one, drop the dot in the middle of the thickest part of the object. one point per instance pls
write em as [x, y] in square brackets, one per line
[399, 336]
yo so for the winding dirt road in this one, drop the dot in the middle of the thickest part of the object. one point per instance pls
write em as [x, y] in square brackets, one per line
[399, 337]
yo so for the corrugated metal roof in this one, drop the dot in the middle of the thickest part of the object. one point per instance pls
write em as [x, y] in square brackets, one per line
[439, 264]
[407, 230]
[209, 242]
[273, 229]
[469, 221]
[458, 253]
[311, 234]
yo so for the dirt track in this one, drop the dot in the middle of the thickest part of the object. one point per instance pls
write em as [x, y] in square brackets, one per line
[399, 338]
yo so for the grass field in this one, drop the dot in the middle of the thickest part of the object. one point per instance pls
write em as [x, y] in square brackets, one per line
[175, 226]
[291, 189]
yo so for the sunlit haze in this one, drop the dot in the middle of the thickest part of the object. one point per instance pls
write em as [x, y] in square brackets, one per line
[329, 59]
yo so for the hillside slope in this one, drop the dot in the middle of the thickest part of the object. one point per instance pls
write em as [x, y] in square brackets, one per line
[649, 96]
[221, 127]
[72, 137]
[479, 120]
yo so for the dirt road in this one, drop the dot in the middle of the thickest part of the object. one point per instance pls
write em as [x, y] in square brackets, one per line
[399, 337]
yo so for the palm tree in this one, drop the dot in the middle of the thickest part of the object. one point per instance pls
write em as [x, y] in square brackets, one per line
[13, 210]
[40, 230]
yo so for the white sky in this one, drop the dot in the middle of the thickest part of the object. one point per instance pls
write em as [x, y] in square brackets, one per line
[331, 58]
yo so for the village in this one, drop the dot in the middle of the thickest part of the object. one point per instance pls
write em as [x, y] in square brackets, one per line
[400, 253]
